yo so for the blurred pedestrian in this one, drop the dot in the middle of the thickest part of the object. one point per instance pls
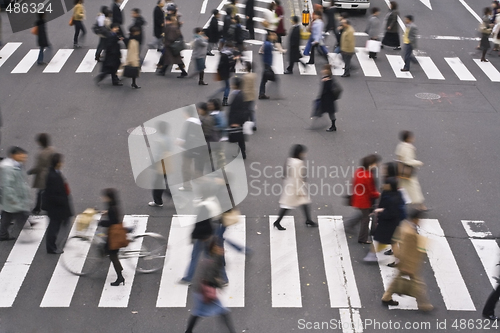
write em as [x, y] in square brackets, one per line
[234, 9]
[227, 22]
[133, 54]
[249, 92]
[214, 106]
[15, 190]
[325, 103]
[226, 66]
[138, 22]
[294, 54]
[214, 33]
[208, 280]
[347, 46]
[104, 22]
[161, 147]
[250, 14]
[118, 16]
[317, 42]
[237, 116]
[331, 22]
[158, 24]
[112, 57]
[200, 47]
[78, 17]
[406, 153]
[391, 36]
[267, 59]
[410, 251]
[373, 29]
[43, 40]
[485, 28]
[111, 216]
[491, 302]
[410, 42]
[280, 13]
[364, 193]
[294, 190]
[41, 168]
[56, 201]
[207, 121]
[172, 34]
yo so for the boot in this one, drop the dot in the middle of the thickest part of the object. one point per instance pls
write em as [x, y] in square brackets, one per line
[280, 48]
[332, 128]
[224, 102]
[120, 279]
[183, 74]
[201, 82]
[191, 322]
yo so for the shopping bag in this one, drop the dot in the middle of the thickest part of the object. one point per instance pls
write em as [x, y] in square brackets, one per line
[117, 236]
[373, 45]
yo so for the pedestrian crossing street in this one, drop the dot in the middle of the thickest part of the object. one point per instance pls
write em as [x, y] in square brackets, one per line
[13, 61]
[286, 286]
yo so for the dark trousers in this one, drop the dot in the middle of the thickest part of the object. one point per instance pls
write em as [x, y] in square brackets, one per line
[100, 47]
[38, 204]
[113, 256]
[408, 56]
[284, 210]
[52, 232]
[347, 61]
[7, 218]
[78, 27]
[491, 302]
[263, 81]
[240, 139]
[314, 47]
[108, 71]
[363, 218]
[250, 28]
[158, 195]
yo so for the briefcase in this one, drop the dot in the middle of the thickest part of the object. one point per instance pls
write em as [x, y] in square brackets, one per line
[130, 72]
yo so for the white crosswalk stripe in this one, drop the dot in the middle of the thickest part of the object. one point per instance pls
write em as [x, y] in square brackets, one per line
[430, 68]
[7, 51]
[459, 68]
[397, 64]
[150, 61]
[368, 65]
[57, 62]
[88, 63]
[489, 70]
[285, 287]
[27, 62]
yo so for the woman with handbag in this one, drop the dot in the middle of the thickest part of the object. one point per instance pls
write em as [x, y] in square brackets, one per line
[112, 216]
[43, 40]
[133, 63]
[77, 20]
[294, 191]
[485, 29]
[207, 281]
[325, 103]
[373, 30]
[405, 153]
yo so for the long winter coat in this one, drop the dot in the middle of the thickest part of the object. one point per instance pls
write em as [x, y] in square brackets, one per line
[41, 168]
[294, 45]
[172, 33]
[405, 152]
[392, 22]
[411, 249]
[214, 33]
[158, 21]
[294, 192]
[43, 40]
[364, 190]
[133, 53]
[388, 220]
[327, 100]
[56, 199]
[15, 189]
[112, 59]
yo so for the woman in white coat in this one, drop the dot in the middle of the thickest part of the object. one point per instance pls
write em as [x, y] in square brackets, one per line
[405, 152]
[294, 191]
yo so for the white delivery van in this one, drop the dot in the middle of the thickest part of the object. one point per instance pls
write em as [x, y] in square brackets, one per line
[361, 5]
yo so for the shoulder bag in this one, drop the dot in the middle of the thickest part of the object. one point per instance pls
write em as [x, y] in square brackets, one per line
[117, 237]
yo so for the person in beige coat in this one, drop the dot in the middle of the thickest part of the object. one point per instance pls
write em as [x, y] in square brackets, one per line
[294, 191]
[409, 249]
[78, 17]
[405, 152]
[133, 56]
[41, 168]
[249, 91]
[347, 45]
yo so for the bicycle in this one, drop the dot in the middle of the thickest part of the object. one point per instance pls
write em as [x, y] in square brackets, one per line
[85, 251]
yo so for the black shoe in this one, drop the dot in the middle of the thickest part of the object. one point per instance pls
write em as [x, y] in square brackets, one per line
[35, 212]
[135, 86]
[183, 75]
[391, 302]
[288, 72]
[366, 242]
[345, 75]
[118, 84]
[278, 226]
[118, 281]
[404, 70]
[303, 63]
[332, 129]
[55, 252]
[202, 83]
[263, 97]
[210, 54]
[7, 239]
[160, 73]
[491, 317]
[310, 223]
[98, 59]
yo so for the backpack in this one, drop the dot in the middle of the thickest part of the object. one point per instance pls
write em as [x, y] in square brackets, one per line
[231, 32]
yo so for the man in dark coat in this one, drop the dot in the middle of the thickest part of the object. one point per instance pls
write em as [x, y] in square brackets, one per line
[237, 116]
[214, 34]
[172, 33]
[117, 15]
[139, 22]
[112, 57]
[56, 202]
[250, 14]
[43, 40]
[228, 20]
[294, 45]
[158, 24]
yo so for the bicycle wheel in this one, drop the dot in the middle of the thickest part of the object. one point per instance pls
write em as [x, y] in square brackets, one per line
[151, 254]
[81, 256]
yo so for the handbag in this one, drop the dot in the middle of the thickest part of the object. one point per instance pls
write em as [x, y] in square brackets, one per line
[405, 171]
[248, 127]
[71, 23]
[373, 45]
[130, 72]
[117, 236]
[316, 111]
[269, 74]
[208, 292]
[34, 30]
[177, 46]
[235, 134]
[231, 217]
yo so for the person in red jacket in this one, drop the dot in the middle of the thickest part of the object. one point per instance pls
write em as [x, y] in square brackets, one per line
[363, 197]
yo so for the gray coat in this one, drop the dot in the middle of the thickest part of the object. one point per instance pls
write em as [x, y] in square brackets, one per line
[199, 47]
[15, 188]
[41, 167]
[412, 35]
[392, 22]
[373, 27]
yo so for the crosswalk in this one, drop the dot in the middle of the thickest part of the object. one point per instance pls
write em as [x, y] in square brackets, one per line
[286, 286]
[14, 62]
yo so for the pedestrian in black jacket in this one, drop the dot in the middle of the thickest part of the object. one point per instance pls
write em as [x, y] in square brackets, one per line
[112, 57]
[228, 20]
[294, 46]
[118, 16]
[139, 22]
[214, 33]
[325, 103]
[56, 201]
[158, 24]
[43, 40]
[237, 116]
[250, 14]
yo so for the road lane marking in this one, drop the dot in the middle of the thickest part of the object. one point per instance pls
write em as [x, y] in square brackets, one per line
[27, 62]
[150, 61]
[204, 7]
[459, 68]
[56, 64]
[278, 64]
[471, 10]
[430, 68]
[88, 63]
[7, 51]
[489, 70]
[397, 63]
[367, 64]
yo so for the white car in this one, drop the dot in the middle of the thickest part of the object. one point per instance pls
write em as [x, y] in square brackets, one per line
[361, 5]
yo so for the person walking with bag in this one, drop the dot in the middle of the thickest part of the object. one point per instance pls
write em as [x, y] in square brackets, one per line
[294, 191]
[347, 46]
[325, 103]
[373, 29]
[103, 21]
[170, 56]
[226, 66]
[111, 217]
[208, 280]
[133, 60]
[56, 201]
[214, 33]
[112, 57]
[78, 17]
[237, 116]
[267, 59]
[485, 29]
[294, 46]
[43, 40]
[41, 168]
[405, 153]
[317, 38]
[391, 36]
[363, 197]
